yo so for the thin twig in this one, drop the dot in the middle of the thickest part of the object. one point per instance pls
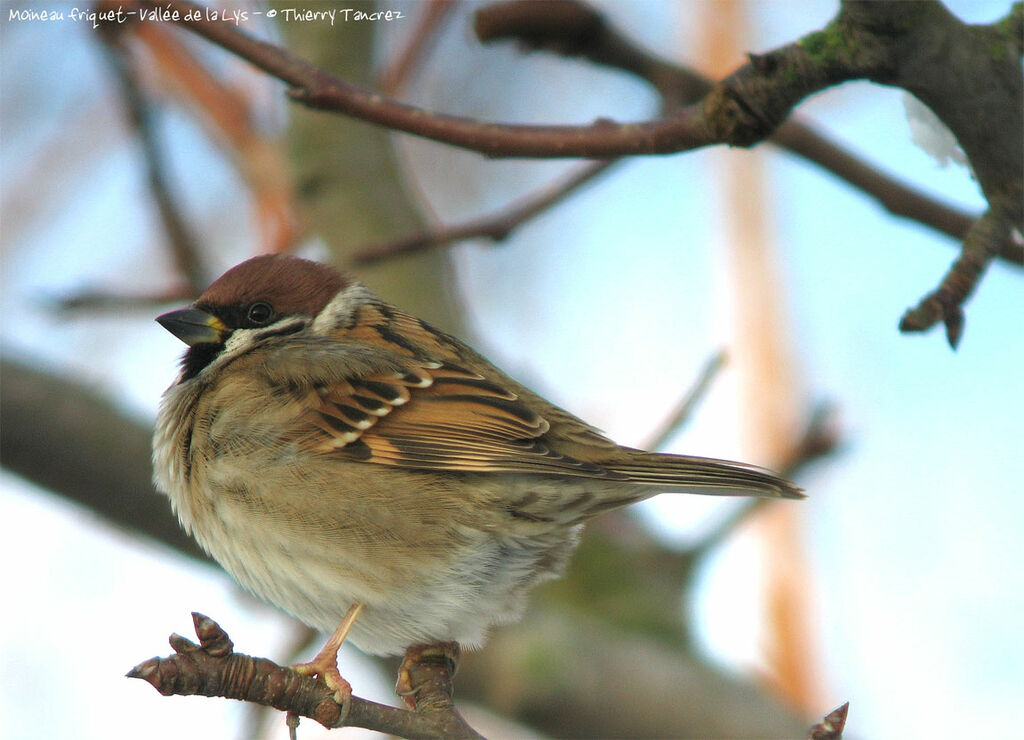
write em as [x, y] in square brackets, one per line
[821, 438]
[401, 68]
[495, 227]
[683, 411]
[945, 303]
[104, 301]
[183, 243]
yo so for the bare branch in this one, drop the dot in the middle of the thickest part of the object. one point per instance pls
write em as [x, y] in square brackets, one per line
[92, 300]
[831, 728]
[402, 66]
[945, 303]
[183, 243]
[881, 42]
[64, 437]
[821, 438]
[213, 668]
[681, 414]
[987, 116]
[572, 28]
[740, 111]
[496, 227]
[896, 197]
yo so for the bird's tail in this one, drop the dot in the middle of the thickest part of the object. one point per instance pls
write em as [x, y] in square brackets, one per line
[686, 474]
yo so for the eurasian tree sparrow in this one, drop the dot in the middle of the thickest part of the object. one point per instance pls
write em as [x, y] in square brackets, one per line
[351, 464]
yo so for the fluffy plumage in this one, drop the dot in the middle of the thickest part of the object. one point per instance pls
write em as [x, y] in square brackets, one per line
[328, 449]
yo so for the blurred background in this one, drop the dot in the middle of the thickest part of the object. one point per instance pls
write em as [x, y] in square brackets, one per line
[137, 164]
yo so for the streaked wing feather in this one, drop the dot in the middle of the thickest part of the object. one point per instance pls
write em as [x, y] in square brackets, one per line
[431, 412]
[440, 416]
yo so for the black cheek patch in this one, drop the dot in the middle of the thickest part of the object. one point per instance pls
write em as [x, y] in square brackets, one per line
[198, 357]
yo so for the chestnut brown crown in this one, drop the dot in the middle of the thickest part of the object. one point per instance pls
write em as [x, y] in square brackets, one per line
[290, 285]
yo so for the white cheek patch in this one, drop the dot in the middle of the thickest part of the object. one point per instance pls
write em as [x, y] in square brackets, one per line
[242, 340]
[342, 308]
[239, 341]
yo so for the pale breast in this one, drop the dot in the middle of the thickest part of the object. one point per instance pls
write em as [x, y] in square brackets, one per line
[432, 556]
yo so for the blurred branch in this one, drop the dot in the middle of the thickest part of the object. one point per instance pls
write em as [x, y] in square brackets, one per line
[574, 675]
[681, 414]
[820, 439]
[575, 29]
[212, 668]
[183, 243]
[228, 113]
[401, 68]
[495, 227]
[104, 301]
[65, 437]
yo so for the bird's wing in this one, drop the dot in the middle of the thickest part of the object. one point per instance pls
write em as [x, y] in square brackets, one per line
[439, 416]
[440, 406]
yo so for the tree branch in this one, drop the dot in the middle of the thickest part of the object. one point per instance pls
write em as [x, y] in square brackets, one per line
[65, 437]
[575, 29]
[945, 303]
[495, 227]
[978, 96]
[683, 411]
[212, 668]
[959, 96]
[831, 727]
[400, 69]
[182, 241]
[740, 111]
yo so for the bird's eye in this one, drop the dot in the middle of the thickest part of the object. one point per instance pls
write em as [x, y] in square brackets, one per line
[260, 313]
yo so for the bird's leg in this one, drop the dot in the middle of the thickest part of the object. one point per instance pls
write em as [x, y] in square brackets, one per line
[325, 664]
[434, 666]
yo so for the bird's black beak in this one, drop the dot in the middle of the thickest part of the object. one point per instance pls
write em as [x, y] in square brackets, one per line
[193, 326]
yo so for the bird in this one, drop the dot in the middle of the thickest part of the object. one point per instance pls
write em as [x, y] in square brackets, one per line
[372, 475]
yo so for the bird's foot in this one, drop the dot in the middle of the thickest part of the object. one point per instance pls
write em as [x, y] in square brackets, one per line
[326, 669]
[325, 665]
[431, 662]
